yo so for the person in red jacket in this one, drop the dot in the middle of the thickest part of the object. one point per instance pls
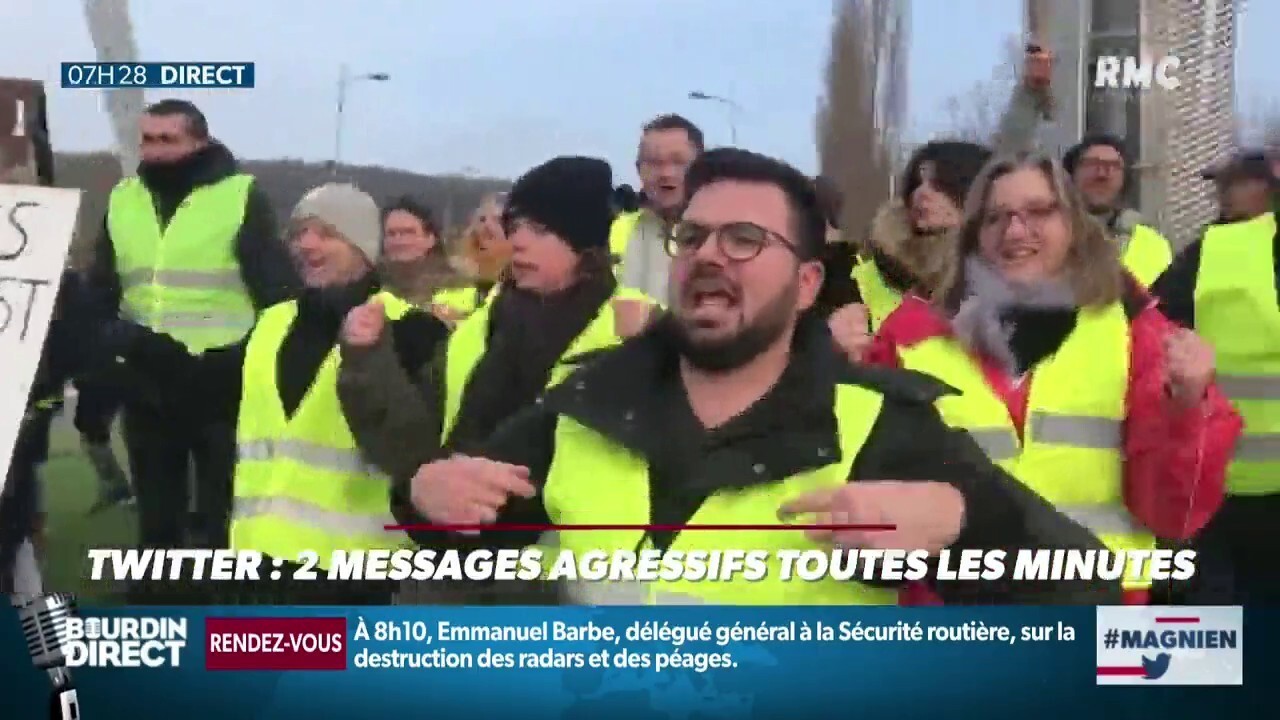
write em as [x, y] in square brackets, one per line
[1035, 295]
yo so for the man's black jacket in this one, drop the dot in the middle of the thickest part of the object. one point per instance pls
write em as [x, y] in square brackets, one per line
[268, 272]
[1176, 286]
[206, 388]
[633, 396]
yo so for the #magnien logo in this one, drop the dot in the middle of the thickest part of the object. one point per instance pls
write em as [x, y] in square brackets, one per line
[1170, 646]
[125, 642]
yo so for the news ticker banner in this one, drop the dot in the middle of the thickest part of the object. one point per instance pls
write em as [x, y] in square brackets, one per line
[170, 75]
[633, 662]
[527, 564]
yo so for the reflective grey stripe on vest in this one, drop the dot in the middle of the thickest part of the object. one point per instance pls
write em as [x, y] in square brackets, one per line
[1257, 447]
[348, 462]
[1250, 387]
[192, 320]
[184, 279]
[1082, 431]
[303, 513]
[586, 592]
[1261, 447]
[1103, 519]
[997, 443]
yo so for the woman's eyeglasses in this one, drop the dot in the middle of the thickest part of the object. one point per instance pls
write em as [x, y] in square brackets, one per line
[1034, 215]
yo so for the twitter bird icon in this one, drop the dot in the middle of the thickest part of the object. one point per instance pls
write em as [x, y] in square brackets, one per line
[1155, 669]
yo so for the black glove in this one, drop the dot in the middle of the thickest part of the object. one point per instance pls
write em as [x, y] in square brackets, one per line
[119, 337]
[144, 349]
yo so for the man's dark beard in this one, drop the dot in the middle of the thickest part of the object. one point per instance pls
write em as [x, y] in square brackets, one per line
[1104, 209]
[174, 177]
[725, 354]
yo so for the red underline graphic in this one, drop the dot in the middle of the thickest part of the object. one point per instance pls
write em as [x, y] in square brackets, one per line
[1121, 672]
[1177, 620]
[644, 528]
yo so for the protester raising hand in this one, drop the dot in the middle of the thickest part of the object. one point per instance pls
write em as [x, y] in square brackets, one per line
[630, 316]
[364, 324]
[1037, 68]
[1189, 364]
[850, 329]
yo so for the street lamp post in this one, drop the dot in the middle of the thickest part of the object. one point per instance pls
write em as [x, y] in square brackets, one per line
[732, 107]
[345, 79]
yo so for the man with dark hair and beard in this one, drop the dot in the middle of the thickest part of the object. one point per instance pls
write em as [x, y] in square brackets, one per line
[190, 249]
[733, 411]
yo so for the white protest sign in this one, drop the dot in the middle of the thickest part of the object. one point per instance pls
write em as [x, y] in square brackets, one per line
[36, 224]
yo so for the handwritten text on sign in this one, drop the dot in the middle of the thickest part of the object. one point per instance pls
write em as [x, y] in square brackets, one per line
[36, 225]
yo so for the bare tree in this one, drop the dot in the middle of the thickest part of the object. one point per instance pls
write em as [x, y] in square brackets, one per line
[854, 150]
[975, 113]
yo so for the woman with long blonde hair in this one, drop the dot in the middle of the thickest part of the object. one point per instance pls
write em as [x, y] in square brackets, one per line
[1067, 374]
[483, 249]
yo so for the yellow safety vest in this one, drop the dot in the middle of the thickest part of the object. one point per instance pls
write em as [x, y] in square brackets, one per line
[1147, 254]
[593, 481]
[462, 299]
[1235, 302]
[183, 280]
[1071, 449]
[467, 345]
[880, 299]
[620, 232]
[301, 483]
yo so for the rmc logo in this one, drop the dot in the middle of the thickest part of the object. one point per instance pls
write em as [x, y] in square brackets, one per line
[1132, 73]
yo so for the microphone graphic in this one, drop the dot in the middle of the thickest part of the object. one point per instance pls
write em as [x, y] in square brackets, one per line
[44, 624]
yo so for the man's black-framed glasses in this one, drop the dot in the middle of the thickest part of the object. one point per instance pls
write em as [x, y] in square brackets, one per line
[738, 241]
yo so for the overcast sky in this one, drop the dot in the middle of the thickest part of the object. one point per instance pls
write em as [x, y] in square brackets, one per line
[499, 85]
